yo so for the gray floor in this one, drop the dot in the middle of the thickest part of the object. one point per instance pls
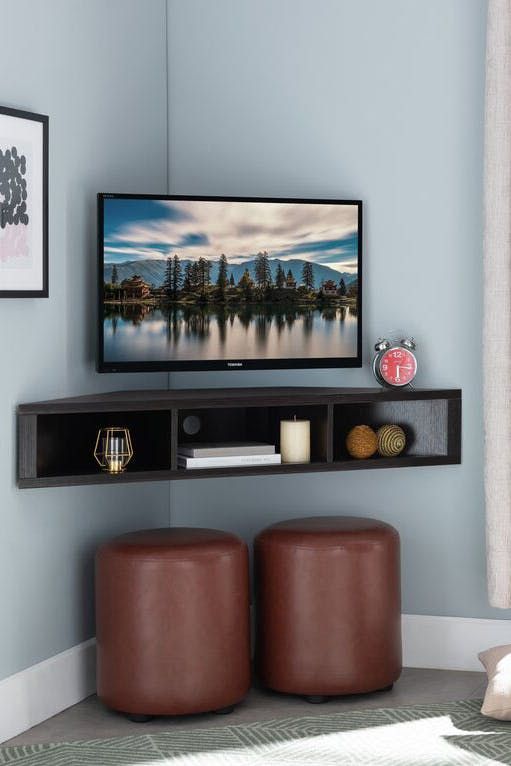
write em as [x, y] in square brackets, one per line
[91, 720]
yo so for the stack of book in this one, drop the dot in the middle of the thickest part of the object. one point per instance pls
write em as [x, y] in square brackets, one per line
[229, 455]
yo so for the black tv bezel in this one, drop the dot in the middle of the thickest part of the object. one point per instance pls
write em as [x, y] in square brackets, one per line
[229, 365]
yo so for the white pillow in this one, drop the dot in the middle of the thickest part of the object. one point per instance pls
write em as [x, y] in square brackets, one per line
[497, 700]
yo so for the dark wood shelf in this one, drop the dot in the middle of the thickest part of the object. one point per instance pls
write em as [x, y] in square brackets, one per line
[144, 476]
[126, 401]
[56, 437]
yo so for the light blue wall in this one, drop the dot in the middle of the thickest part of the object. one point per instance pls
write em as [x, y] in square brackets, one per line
[355, 98]
[382, 101]
[97, 68]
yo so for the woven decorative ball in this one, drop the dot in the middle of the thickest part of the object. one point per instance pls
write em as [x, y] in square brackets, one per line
[361, 442]
[391, 440]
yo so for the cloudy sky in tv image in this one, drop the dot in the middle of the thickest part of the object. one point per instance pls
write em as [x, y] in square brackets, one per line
[142, 229]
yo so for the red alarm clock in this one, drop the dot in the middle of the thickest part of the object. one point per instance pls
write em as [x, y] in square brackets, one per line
[395, 364]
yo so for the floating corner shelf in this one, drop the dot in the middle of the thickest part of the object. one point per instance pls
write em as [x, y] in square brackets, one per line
[56, 438]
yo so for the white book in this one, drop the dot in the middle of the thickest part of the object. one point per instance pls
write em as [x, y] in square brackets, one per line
[231, 461]
[227, 449]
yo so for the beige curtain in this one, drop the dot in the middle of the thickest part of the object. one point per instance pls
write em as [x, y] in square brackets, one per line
[497, 302]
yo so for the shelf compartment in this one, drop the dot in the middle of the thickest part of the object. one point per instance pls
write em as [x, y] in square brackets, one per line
[430, 426]
[260, 424]
[65, 442]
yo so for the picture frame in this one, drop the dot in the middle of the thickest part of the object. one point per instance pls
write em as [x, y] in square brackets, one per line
[23, 204]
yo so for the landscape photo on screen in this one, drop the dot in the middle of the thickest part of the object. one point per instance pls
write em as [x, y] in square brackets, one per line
[188, 280]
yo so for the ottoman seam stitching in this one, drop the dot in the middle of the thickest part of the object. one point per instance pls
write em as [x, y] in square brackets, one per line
[317, 547]
[182, 558]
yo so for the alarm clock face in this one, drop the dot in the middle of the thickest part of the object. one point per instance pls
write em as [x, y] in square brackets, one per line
[397, 366]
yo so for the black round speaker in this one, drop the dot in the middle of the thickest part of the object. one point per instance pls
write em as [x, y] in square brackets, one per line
[191, 425]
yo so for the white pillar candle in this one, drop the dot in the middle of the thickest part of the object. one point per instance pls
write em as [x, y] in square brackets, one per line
[295, 441]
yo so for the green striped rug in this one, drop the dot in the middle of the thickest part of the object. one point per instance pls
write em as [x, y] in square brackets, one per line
[422, 735]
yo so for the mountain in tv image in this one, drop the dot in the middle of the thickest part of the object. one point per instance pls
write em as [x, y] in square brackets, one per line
[152, 271]
[213, 280]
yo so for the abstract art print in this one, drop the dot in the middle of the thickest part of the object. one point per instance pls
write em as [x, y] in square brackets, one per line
[230, 282]
[23, 204]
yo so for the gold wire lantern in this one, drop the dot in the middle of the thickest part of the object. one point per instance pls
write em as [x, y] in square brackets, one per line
[113, 450]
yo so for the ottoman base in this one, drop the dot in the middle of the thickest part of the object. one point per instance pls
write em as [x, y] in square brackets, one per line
[319, 699]
[316, 699]
[224, 710]
[139, 718]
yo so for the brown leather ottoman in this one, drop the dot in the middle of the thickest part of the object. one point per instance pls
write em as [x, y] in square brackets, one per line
[328, 606]
[172, 614]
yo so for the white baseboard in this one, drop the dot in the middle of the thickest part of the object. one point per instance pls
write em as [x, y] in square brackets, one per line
[450, 643]
[43, 690]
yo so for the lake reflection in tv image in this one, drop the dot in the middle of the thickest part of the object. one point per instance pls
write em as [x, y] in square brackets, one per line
[192, 280]
[151, 334]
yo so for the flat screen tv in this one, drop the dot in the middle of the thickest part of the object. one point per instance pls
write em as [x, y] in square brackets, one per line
[228, 283]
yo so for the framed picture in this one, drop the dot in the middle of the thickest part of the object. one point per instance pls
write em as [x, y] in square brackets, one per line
[23, 204]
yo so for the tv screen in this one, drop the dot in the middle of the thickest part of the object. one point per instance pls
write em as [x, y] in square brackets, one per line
[198, 283]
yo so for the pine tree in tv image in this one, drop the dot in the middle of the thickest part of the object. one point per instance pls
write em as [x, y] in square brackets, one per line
[214, 280]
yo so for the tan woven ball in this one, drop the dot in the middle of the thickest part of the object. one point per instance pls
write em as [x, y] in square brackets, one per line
[361, 442]
[391, 440]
